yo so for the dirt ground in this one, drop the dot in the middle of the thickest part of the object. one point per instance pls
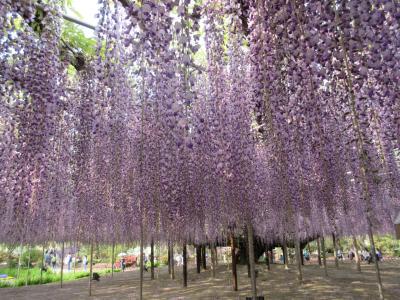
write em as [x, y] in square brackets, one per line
[344, 283]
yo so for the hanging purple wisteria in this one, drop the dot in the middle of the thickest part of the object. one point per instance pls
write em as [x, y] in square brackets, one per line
[289, 122]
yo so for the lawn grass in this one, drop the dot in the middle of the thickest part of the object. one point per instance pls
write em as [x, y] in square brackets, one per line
[34, 276]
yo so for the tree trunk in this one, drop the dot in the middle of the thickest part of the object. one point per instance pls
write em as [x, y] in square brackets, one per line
[184, 254]
[250, 242]
[198, 258]
[152, 259]
[213, 265]
[285, 255]
[172, 261]
[203, 257]
[335, 250]
[324, 255]
[169, 258]
[357, 254]
[378, 274]
[299, 261]
[234, 272]
[62, 264]
[91, 269]
[319, 252]
[267, 260]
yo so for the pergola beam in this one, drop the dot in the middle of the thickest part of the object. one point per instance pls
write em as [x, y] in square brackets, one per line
[79, 22]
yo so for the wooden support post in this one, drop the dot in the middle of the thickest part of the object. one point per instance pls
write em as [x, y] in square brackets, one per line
[246, 247]
[216, 255]
[198, 259]
[301, 255]
[267, 260]
[203, 257]
[357, 254]
[112, 259]
[324, 255]
[21, 248]
[285, 255]
[152, 259]
[250, 241]
[76, 256]
[234, 272]
[378, 274]
[42, 266]
[169, 258]
[213, 258]
[29, 265]
[184, 254]
[62, 264]
[141, 261]
[319, 252]
[299, 261]
[91, 269]
[335, 250]
[172, 261]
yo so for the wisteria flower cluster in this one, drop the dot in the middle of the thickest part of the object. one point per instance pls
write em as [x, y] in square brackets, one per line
[290, 122]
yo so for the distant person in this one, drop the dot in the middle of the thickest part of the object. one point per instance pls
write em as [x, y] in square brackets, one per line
[47, 258]
[351, 254]
[145, 262]
[84, 262]
[123, 264]
[365, 255]
[340, 254]
[53, 262]
[68, 260]
[379, 256]
[306, 255]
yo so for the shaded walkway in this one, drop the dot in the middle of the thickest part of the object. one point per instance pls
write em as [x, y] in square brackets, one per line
[344, 283]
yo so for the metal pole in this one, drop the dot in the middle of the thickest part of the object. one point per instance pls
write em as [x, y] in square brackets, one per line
[152, 259]
[62, 264]
[41, 268]
[335, 250]
[319, 252]
[91, 269]
[29, 265]
[79, 22]
[184, 254]
[141, 261]
[234, 272]
[250, 237]
[112, 259]
[324, 255]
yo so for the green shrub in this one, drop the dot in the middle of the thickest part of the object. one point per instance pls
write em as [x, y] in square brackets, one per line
[164, 259]
[3, 256]
[35, 257]
[47, 276]
[156, 264]
[12, 263]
